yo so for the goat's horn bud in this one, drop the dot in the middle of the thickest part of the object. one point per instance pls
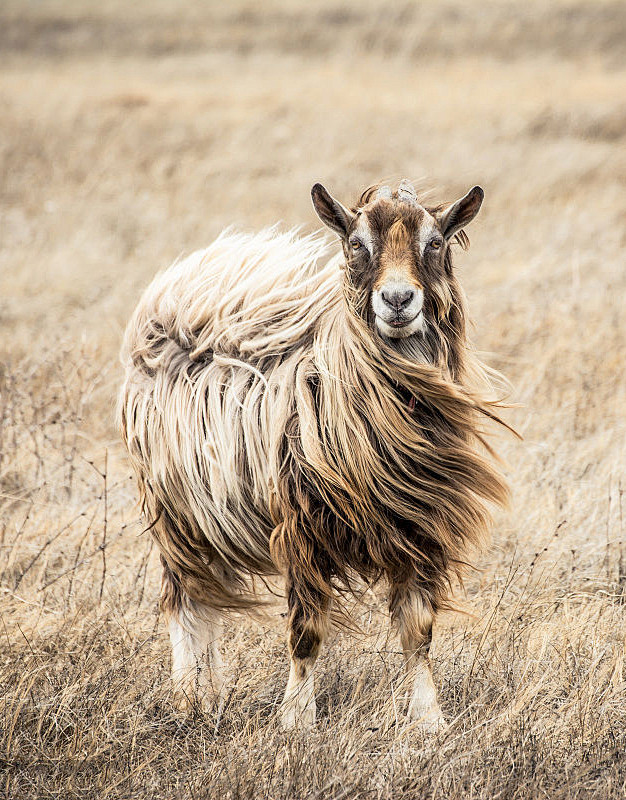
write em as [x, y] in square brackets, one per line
[406, 191]
[384, 193]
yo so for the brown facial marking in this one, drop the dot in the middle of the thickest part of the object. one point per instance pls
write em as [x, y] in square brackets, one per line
[397, 248]
[398, 239]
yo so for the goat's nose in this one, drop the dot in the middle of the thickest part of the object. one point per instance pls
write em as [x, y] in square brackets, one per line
[398, 298]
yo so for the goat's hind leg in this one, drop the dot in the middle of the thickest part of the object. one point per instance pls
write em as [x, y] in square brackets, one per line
[195, 630]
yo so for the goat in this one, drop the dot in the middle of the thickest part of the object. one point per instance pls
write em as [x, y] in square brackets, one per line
[317, 418]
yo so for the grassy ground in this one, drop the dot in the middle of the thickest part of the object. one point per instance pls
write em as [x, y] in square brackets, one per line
[132, 133]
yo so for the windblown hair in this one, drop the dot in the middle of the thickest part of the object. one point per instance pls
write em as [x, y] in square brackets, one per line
[273, 430]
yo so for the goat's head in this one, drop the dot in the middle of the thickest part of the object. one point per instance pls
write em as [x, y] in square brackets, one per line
[397, 260]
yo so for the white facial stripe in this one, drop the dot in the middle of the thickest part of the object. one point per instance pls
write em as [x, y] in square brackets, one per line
[428, 229]
[398, 275]
[363, 232]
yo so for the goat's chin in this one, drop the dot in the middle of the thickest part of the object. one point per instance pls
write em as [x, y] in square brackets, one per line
[416, 325]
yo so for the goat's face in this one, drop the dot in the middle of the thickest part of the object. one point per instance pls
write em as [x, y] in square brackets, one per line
[396, 253]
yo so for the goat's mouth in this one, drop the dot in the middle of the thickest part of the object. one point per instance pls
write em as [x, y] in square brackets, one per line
[398, 326]
[400, 321]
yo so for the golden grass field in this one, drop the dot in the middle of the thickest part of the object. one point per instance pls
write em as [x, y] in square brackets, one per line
[133, 133]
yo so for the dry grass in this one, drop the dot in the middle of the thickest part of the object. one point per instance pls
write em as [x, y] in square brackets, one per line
[131, 133]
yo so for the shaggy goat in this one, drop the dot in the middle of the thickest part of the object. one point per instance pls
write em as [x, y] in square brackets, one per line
[314, 420]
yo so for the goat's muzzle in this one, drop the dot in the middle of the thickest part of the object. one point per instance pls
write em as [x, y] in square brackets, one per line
[398, 307]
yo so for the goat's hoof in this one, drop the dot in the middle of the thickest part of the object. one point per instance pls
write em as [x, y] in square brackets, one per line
[293, 717]
[188, 701]
[430, 723]
[431, 727]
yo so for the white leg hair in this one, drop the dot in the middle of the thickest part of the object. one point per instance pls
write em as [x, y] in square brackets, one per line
[298, 707]
[197, 667]
[423, 706]
[414, 620]
[307, 632]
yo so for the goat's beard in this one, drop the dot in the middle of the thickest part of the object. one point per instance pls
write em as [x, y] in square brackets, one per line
[417, 347]
[420, 347]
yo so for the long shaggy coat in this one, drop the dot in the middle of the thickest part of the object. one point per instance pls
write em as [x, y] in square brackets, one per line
[273, 430]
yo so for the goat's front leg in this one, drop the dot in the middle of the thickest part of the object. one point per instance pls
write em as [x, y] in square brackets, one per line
[308, 625]
[413, 616]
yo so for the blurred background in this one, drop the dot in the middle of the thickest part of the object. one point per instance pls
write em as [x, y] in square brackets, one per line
[131, 134]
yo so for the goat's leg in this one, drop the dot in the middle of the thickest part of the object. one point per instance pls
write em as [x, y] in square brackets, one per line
[308, 625]
[195, 629]
[413, 616]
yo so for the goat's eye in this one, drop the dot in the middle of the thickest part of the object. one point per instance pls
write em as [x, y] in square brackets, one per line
[435, 244]
[355, 244]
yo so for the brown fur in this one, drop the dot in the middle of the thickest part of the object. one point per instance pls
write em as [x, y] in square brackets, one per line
[273, 430]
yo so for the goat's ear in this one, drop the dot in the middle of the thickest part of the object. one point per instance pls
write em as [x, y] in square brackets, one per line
[457, 215]
[330, 211]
